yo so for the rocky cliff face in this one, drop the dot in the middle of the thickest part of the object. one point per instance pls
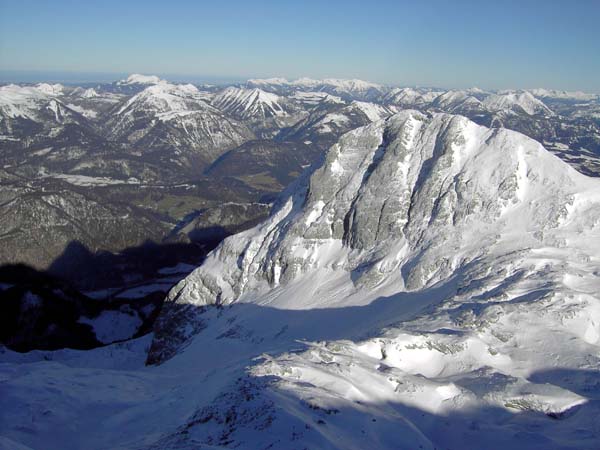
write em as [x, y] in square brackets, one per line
[400, 205]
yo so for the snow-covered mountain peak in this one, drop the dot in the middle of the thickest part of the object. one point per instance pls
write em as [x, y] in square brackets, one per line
[166, 98]
[429, 267]
[515, 101]
[250, 103]
[410, 96]
[28, 102]
[137, 78]
[50, 89]
[476, 91]
[399, 205]
[351, 89]
[454, 99]
[180, 118]
[90, 93]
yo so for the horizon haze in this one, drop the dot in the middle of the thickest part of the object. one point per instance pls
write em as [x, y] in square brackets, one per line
[457, 45]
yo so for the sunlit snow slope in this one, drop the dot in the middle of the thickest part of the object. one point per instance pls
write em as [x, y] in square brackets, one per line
[441, 266]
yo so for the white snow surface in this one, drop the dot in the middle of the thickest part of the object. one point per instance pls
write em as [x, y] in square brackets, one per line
[137, 78]
[165, 98]
[516, 99]
[453, 100]
[90, 93]
[410, 96]
[85, 180]
[250, 103]
[565, 95]
[50, 89]
[343, 85]
[25, 101]
[90, 114]
[373, 111]
[434, 284]
[314, 98]
[204, 127]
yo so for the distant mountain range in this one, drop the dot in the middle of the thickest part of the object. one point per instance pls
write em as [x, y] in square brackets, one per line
[144, 156]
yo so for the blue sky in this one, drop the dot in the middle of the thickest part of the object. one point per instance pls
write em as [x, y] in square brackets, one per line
[491, 44]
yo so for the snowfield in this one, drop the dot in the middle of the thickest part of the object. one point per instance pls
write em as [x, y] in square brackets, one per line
[434, 284]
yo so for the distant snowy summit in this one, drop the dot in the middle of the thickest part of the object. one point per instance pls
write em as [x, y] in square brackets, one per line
[40, 103]
[137, 78]
[359, 89]
[509, 100]
[366, 90]
[351, 84]
[566, 95]
[250, 103]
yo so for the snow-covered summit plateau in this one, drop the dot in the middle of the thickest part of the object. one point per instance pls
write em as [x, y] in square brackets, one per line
[137, 78]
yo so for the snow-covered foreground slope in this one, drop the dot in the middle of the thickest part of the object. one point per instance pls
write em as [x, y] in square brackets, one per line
[434, 284]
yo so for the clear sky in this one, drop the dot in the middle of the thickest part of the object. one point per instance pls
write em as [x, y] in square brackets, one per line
[446, 43]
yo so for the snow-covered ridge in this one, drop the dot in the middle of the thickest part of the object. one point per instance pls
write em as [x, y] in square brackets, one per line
[178, 115]
[373, 111]
[410, 96]
[19, 101]
[166, 98]
[250, 103]
[268, 81]
[455, 100]
[478, 176]
[90, 93]
[313, 98]
[29, 102]
[50, 89]
[564, 95]
[351, 85]
[512, 100]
